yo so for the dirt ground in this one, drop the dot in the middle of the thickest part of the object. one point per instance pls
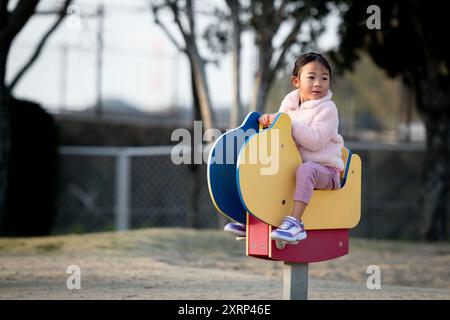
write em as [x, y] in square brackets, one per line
[170, 263]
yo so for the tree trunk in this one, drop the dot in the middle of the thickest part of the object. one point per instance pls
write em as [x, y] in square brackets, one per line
[260, 92]
[263, 82]
[236, 112]
[5, 133]
[436, 179]
[264, 74]
[201, 88]
[195, 172]
[5, 142]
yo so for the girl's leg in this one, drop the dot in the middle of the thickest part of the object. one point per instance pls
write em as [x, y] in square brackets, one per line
[299, 209]
[310, 176]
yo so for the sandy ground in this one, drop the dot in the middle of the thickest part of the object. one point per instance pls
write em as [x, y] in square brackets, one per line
[208, 264]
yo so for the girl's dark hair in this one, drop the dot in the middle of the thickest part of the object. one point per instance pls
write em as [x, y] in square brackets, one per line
[307, 58]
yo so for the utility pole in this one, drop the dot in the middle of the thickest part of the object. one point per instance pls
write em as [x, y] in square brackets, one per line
[63, 81]
[100, 25]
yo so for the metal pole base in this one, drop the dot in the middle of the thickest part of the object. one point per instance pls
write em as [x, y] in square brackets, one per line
[295, 281]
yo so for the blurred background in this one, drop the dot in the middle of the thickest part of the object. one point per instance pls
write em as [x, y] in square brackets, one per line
[91, 92]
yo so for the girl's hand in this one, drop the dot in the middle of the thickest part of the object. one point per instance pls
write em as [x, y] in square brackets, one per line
[266, 119]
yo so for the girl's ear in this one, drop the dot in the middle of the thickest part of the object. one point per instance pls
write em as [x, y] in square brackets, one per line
[295, 81]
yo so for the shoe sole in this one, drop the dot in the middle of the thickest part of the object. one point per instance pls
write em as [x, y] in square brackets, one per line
[236, 233]
[289, 240]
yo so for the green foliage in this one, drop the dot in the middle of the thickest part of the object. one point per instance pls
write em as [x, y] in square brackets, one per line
[33, 172]
[410, 44]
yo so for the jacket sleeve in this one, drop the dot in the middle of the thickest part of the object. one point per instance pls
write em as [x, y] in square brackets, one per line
[289, 102]
[315, 135]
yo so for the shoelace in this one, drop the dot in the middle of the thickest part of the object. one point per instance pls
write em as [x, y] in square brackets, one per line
[286, 225]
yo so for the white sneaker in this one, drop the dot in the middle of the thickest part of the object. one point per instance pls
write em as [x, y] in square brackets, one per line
[236, 229]
[291, 230]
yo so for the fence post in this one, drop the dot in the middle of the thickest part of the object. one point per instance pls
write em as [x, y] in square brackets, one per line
[122, 212]
[295, 281]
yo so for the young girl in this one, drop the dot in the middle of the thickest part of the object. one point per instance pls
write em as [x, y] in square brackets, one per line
[315, 132]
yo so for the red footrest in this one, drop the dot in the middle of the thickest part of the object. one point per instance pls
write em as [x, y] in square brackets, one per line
[320, 245]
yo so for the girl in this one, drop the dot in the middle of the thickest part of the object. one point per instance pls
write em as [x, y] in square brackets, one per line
[315, 132]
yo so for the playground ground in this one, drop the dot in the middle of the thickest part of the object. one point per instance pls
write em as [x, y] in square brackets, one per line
[172, 263]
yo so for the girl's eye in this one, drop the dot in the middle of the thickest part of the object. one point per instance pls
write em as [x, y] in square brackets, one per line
[310, 77]
[325, 79]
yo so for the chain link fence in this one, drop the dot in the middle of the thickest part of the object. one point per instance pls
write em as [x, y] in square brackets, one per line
[391, 186]
[86, 193]
[120, 188]
[104, 188]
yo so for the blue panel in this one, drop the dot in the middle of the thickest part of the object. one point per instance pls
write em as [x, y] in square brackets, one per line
[347, 166]
[222, 167]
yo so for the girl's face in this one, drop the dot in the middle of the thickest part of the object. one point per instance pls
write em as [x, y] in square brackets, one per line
[312, 82]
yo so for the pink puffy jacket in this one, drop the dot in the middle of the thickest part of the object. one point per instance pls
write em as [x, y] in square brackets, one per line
[315, 129]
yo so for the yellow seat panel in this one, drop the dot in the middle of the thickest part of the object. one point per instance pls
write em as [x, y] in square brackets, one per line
[267, 187]
[337, 209]
[266, 182]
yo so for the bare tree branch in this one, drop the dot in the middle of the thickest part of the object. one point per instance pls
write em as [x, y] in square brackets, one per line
[17, 20]
[287, 43]
[200, 84]
[169, 35]
[186, 33]
[37, 52]
[279, 16]
[155, 9]
[190, 16]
